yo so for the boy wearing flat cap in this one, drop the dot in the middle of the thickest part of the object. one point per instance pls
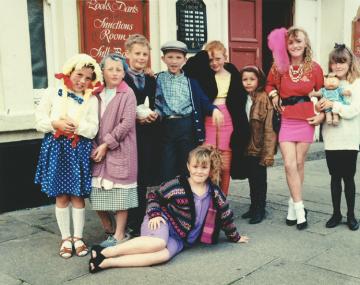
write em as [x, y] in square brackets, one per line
[182, 107]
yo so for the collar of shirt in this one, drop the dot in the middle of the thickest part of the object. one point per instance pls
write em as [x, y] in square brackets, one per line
[174, 76]
[135, 73]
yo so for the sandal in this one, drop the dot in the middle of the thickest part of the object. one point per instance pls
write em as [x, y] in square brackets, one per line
[98, 249]
[66, 252]
[80, 247]
[94, 262]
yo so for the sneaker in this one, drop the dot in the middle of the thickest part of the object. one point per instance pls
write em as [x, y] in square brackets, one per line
[112, 241]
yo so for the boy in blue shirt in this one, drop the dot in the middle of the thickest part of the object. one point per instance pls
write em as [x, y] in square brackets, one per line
[182, 106]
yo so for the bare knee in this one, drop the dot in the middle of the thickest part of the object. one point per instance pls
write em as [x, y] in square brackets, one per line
[62, 201]
[78, 202]
[158, 244]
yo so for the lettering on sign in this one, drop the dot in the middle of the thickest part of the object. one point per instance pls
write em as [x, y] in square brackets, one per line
[106, 24]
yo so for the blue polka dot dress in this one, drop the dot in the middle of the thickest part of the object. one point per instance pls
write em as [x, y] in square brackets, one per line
[63, 169]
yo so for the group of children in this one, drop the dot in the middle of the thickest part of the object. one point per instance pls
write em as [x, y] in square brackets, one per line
[98, 144]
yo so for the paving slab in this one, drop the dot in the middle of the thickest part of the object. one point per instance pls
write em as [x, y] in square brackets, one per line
[283, 272]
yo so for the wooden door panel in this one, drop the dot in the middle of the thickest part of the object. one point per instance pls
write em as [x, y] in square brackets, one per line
[245, 32]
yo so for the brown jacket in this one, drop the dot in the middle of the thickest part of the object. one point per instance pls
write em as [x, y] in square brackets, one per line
[263, 139]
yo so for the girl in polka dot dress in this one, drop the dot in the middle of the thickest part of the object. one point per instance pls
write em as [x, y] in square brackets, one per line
[69, 119]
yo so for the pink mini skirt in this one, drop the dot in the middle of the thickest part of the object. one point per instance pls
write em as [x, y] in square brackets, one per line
[225, 130]
[292, 130]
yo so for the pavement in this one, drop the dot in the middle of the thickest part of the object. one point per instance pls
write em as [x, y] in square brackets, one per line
[276, 253]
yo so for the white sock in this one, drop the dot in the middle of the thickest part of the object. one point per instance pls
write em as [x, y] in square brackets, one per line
[300, 212]
[78, 216]
[63, 220]
[291, 210]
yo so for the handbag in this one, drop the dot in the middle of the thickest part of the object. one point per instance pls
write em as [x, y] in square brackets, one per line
[276, 121]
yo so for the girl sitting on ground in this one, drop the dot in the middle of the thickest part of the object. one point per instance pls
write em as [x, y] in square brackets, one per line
[182, 211]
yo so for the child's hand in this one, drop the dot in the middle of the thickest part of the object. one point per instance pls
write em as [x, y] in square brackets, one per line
[217, 117]
[149, 71]
[155, 223]
[316, 120]
[149, 119]
[63, 125]
[243, 239]
[325, 104]
[99, 153]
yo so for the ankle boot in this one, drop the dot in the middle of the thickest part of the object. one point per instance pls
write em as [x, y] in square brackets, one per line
[258, 216]
[301, 215]
[249, 214]
[291, 215]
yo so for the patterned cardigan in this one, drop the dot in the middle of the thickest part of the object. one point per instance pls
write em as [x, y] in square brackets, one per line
[175, 200]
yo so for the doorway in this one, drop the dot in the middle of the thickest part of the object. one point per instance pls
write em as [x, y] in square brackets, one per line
[276, 14]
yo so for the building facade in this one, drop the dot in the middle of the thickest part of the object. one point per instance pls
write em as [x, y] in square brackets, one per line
[37, 36]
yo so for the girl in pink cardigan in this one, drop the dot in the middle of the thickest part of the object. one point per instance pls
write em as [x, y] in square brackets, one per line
[114, 152]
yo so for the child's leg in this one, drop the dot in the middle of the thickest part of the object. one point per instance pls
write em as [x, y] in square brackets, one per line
[226, 156]
[257, 180]
[78, 215]
[168, 154]
[349, 188]
[62, 213]
[336, 190]
[137, 260]
[121, 219]
[105, 220]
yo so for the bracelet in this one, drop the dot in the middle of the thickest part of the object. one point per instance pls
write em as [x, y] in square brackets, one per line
[273, 94]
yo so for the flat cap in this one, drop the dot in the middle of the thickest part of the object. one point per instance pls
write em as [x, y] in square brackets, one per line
[174, 45]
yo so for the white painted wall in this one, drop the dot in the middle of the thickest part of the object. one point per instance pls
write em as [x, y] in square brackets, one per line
[327, 21]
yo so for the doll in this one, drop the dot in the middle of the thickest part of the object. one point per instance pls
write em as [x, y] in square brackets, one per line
[333, 92]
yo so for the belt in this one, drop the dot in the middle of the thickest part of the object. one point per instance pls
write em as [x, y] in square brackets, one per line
[177, 116]
[294, 100]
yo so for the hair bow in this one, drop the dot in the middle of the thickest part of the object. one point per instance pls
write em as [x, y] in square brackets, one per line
[339, 46]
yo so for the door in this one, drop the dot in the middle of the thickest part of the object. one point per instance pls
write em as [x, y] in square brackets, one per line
[245, 32]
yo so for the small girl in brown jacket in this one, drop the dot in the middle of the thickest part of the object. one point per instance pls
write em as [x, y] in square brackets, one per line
[262, 145]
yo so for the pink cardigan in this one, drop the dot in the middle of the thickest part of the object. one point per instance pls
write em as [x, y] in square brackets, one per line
[118, 129]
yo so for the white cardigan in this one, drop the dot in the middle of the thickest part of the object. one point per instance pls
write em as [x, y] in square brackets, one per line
[345, 136]
[49, 109]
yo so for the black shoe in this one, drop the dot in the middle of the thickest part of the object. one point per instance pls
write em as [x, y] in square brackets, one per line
[333, 221]
[303, 225]
[247, 215]
[352, 223]
[257, 217]
[95, 262]
[291, 222]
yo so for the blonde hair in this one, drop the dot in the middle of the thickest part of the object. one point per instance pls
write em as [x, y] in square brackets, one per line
[215, 45]
[342, 54]
[203, 155]
[294, 32]
[136, 39]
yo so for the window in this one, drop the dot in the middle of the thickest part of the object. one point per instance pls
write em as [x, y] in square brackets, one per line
[37, 43]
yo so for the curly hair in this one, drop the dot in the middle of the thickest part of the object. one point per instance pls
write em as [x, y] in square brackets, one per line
[215, 45]
[204, 155]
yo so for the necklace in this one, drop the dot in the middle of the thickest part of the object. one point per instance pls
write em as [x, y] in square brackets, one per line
[296, 75]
